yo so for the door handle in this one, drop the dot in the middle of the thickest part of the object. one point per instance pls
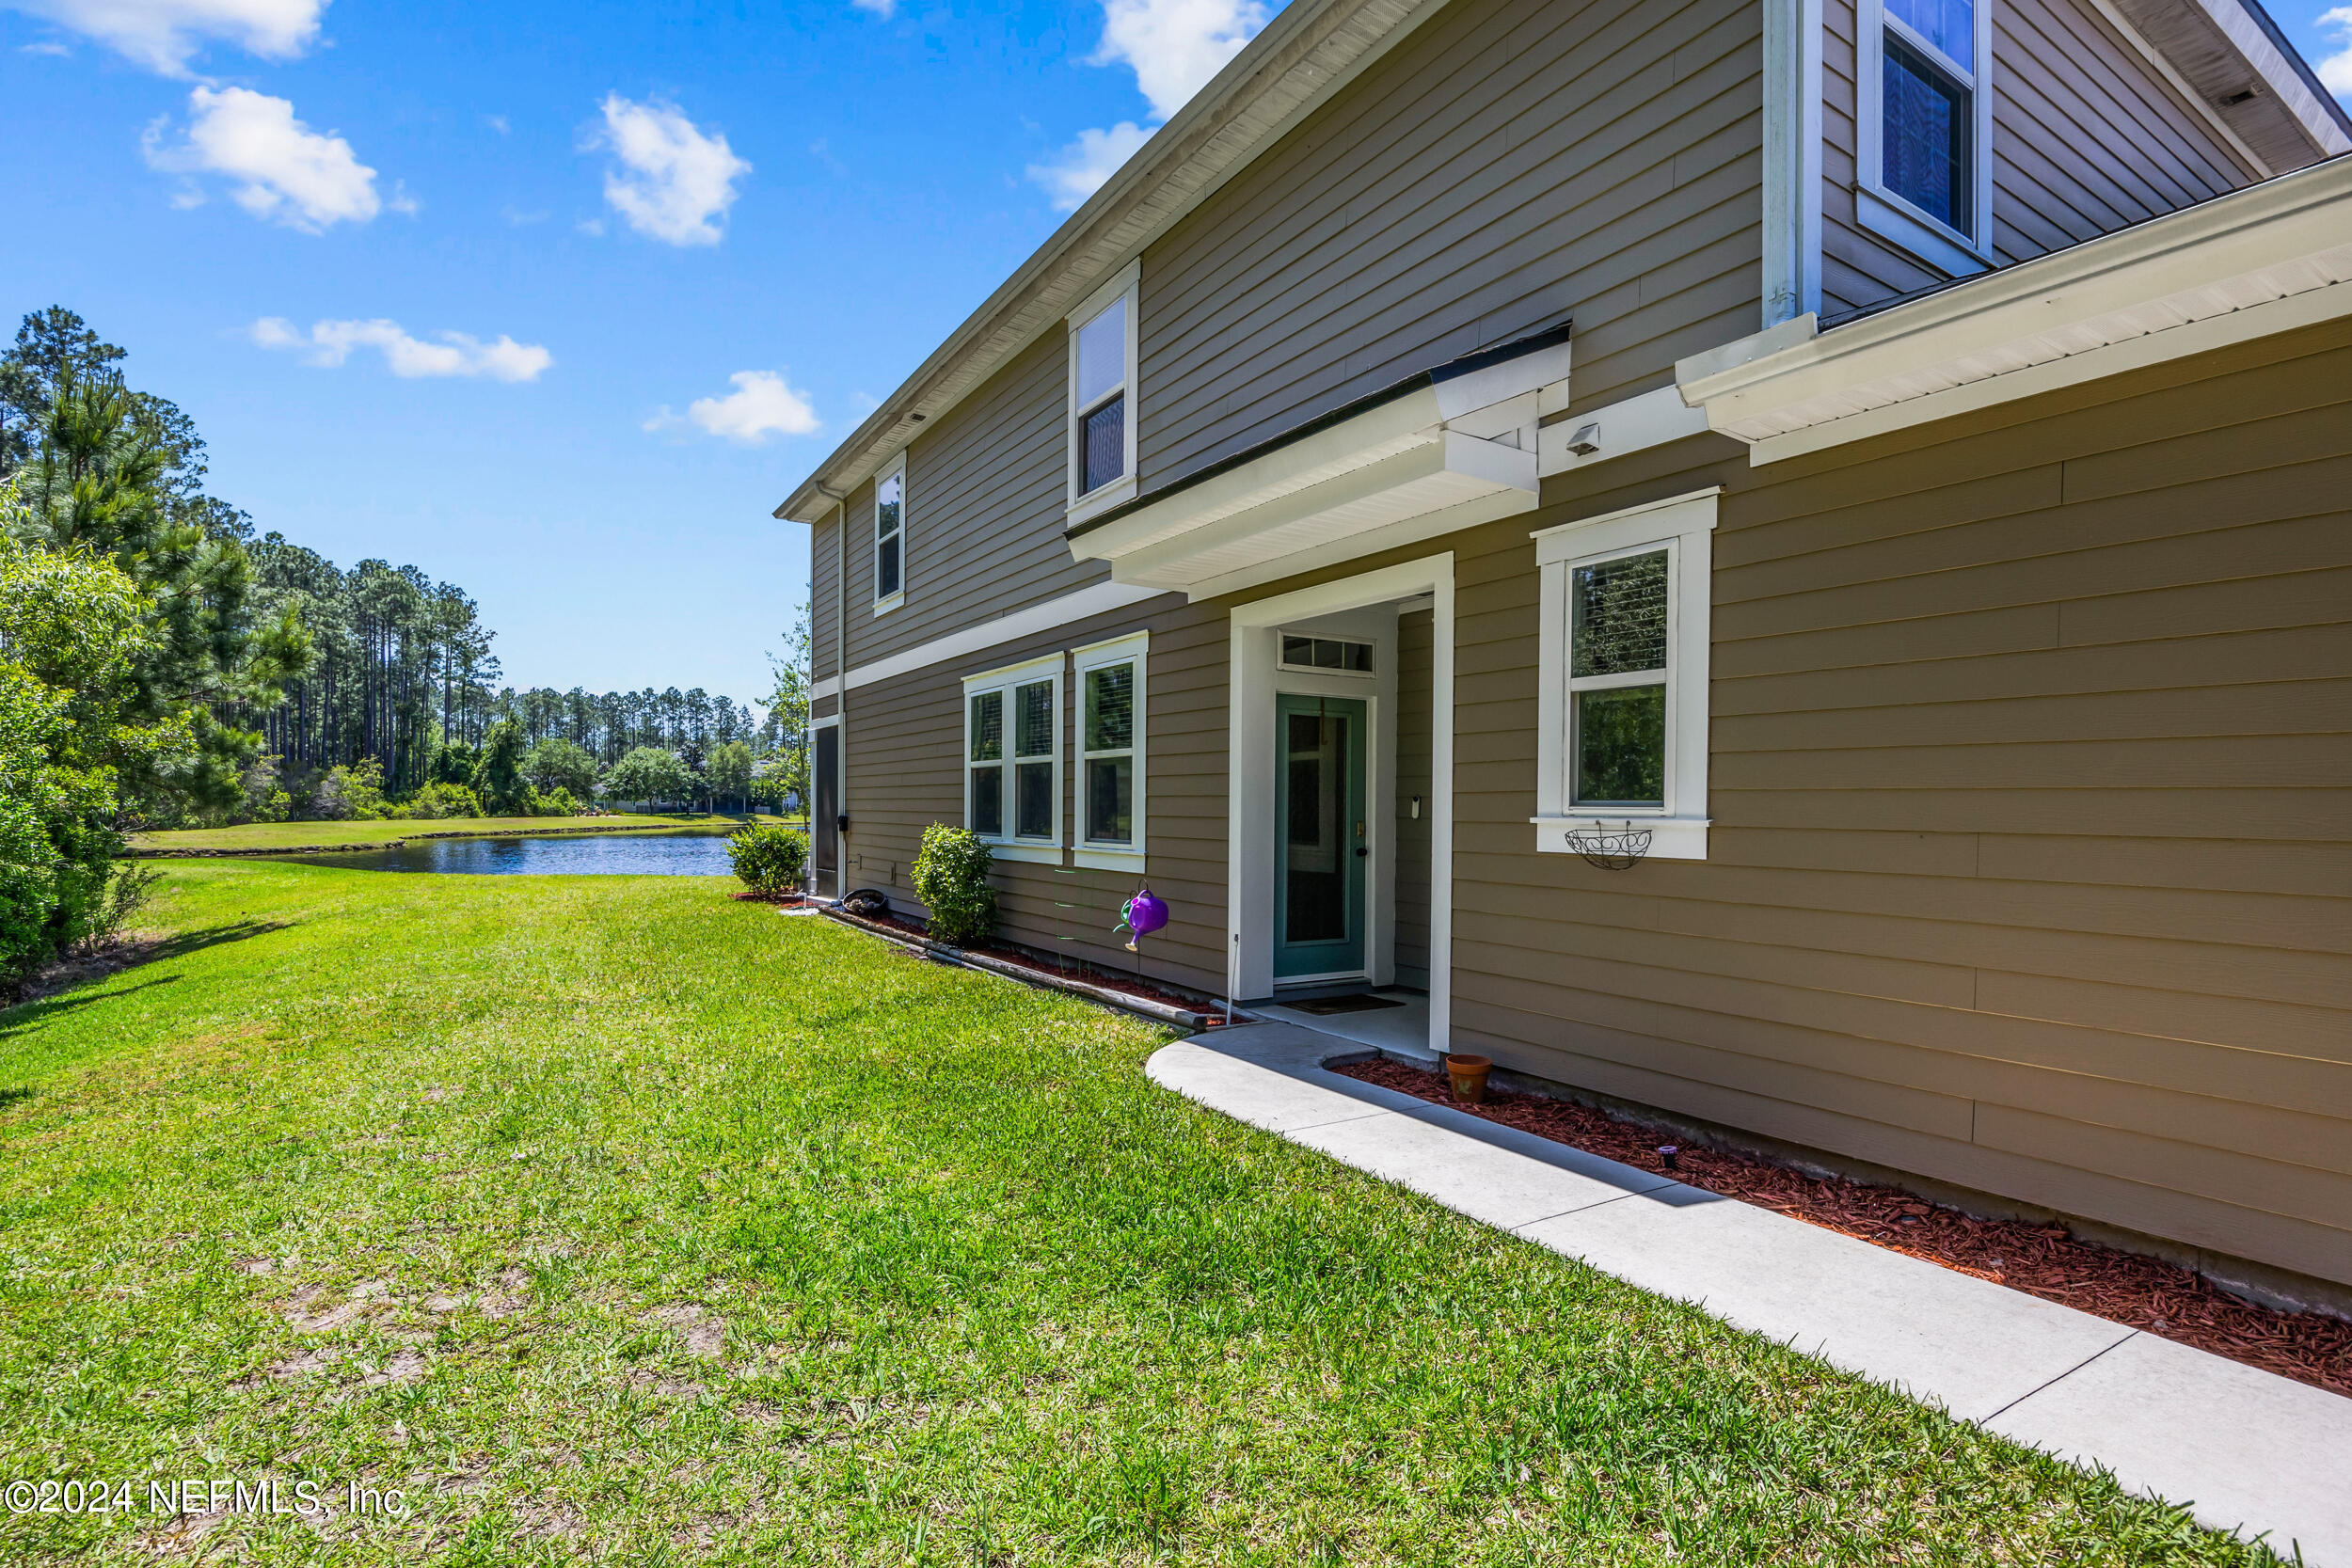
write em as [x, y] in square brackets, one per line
[1360, 853]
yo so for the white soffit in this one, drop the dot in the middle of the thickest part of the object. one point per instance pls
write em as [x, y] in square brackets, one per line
[1456, 452]
[2266, 258]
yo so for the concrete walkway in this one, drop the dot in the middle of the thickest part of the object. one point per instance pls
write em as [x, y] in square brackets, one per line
[2243, 1449]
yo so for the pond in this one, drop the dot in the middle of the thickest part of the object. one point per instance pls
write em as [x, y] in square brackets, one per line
[671, 852]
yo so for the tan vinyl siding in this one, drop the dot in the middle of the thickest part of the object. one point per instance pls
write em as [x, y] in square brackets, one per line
[1416, 636]
[824, 560]
[2032, 860]
[2086, 139]
[1513, 161]
[905, 772]
[985, 496]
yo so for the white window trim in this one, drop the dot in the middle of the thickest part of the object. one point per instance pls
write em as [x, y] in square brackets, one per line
[1127, 282]
[1136, 646]
[1685, 525]
[1878, 208]
[895, 468]
[1007, 846]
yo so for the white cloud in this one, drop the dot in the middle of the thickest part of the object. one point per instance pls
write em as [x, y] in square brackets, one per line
[331, 342]
[1078, 170]
[164, 34]
[761, 405]
[883, 8]
[2335, 72]
[1173, 47]
[286, 172]
[674, 181]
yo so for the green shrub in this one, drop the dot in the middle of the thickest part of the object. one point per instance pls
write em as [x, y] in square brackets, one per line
[951, 876]
[554, 802]
[768, 860]
[435, 802]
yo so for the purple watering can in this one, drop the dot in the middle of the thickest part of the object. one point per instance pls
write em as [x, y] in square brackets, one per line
[1140, 916]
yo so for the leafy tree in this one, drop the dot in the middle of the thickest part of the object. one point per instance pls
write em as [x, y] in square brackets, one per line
[729, 772]
[556, 762]
[72, 630]
[650, 773]
[497, 777]
[99, 478]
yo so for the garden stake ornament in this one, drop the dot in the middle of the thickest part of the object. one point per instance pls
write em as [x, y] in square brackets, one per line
[1139, 917]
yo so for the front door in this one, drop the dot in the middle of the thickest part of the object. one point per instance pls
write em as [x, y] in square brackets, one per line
[1321, 837]
[824, 809]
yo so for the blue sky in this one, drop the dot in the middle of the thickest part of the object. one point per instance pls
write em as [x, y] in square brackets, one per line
[685, 247]
[682, 249]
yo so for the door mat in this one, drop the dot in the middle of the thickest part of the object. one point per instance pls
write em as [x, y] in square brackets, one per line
[1323, 1006]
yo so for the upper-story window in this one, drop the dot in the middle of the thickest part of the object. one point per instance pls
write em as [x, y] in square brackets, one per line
[1103, 394]
[1927, 127]
[890, 537]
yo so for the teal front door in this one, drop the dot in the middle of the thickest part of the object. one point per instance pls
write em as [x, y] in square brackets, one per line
[1320, 837]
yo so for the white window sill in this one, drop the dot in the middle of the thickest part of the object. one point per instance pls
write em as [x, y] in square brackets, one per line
[1099, 500]
[1095, 859]
[1038, 854]
[1671, 838]
[1890, 217]
[884, 606]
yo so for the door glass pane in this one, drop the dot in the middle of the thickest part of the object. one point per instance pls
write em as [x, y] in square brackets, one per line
[1927, 138]
[988, 726]
[1948, 25]
[1033, 706]
[1621, 746]
[1314, 834]
[1111, 801]
[1617, 611]
[1102, 440]
[988, 802]
[1111, 708]
[1033, 799]
[1103, 353]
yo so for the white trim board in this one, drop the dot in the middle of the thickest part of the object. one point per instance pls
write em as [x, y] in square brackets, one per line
[2241, 1448]
[1101, 599]
[2260, 261]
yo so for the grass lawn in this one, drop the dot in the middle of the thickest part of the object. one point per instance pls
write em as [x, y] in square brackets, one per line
[286, 835]
[607, 1218]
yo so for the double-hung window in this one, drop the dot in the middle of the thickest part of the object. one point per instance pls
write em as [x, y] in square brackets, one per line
[1110, 677]
[1622, 681]
[1013, 759]
[890, 537]
[1102, 413]
[1927, 127]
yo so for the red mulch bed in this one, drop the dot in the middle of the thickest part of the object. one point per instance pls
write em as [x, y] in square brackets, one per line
[2040, 1259]
[1126, 985]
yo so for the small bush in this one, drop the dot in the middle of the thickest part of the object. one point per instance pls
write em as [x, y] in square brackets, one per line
[554, 802]
[951, 876]
[436, 802]
[768, 860]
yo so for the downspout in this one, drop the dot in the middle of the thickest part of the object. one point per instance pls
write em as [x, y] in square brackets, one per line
[841, 689]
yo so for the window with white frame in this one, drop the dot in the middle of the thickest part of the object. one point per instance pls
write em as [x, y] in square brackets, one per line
[1012, 754]
[890, 537]
[1622, 679]
[1927, 125]
[1102, 334]
[1110, 677]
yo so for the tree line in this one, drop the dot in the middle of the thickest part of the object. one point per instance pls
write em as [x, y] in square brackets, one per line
[161, 666]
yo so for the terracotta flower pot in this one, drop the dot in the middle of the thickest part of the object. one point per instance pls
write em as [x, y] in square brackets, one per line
[1469, 1074]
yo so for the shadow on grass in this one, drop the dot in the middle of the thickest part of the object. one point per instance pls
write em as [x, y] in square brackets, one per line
[62, 985]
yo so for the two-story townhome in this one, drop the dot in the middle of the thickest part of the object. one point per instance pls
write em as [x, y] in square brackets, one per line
[1781, 562]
